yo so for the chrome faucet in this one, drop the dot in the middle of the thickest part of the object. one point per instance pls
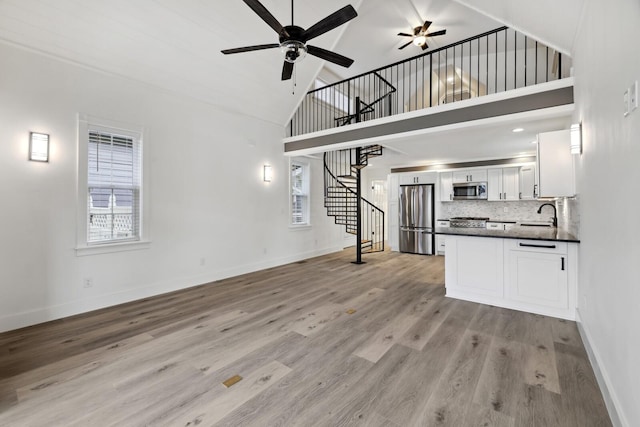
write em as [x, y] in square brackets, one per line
[555, 215]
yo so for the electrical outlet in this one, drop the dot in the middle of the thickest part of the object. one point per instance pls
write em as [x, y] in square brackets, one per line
[88, 282]
[506, 209]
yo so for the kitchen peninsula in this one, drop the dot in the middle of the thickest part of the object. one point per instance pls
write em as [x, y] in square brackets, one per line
[526, 268]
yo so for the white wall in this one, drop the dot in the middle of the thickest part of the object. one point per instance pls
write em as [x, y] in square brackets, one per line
[207, 201]
[607, 171]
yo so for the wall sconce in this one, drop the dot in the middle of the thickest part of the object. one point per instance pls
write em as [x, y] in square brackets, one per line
[576, 138]
[38, 147]
[267, 173]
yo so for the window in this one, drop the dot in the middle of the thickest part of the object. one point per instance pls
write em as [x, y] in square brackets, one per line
[299, 180]
[113, 187]
[110, 186]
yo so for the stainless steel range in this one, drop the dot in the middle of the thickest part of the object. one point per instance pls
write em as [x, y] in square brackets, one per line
[468, 222]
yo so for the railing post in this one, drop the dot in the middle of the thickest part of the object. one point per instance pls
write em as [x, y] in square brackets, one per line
[358, 204]
[358, 116]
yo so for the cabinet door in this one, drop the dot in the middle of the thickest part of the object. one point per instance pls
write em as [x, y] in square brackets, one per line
[494, 185]
[461, 176]
[426, 178]
[510, 184]
[538, 278]
[528, 183]
[474, 265]
[478, 175]
[406, 179]
[555, 165]
[446, 186]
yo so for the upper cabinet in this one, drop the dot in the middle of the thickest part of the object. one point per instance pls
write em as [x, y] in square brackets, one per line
[528, 188]
[418, 178]
[446, 186]
[470, 175]
[503, 184]
[556, 177]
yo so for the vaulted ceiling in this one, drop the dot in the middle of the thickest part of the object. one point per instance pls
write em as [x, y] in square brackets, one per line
[174, 45]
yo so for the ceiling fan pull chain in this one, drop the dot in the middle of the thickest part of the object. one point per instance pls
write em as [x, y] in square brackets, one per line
[294, 81]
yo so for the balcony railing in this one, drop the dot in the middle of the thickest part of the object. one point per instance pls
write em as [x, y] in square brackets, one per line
[496, 61]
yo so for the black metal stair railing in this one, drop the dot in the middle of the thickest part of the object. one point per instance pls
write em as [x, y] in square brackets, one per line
[496, 61]
[343, 200]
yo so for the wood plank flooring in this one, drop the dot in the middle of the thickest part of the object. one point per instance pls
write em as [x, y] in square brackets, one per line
[322, 342]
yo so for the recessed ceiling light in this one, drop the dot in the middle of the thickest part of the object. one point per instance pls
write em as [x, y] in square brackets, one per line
[516, 130]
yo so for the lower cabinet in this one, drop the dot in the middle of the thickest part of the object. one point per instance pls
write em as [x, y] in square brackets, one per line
[528, 275]
[537, 273]
[474, 265]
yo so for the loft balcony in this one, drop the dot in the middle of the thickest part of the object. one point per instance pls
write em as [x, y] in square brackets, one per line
[499, 72]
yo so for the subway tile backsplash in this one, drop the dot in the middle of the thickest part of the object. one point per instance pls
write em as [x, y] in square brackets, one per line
[525, 210]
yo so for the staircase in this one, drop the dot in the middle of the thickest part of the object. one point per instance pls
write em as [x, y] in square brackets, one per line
[344, 202]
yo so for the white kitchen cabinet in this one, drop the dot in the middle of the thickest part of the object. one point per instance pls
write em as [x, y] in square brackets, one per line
[555, 167]
[503, 184]
[440, 238]
[418, 178]
[446, 186]
[502, 226]
[440, 244]
[537, 274]
[474, 266]
[528, 190]
[494, 185]
[469, 175]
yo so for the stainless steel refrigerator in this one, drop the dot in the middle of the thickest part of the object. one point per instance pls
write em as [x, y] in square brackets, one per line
[416, 219]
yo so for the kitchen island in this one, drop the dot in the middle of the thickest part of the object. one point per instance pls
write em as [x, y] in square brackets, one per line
[524, 268]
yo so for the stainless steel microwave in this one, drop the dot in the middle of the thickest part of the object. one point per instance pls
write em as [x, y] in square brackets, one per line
[470, 191]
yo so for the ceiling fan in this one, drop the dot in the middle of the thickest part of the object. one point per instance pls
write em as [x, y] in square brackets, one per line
[420, 35]
[293, 39]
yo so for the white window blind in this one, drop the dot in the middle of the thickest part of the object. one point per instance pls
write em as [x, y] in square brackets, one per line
[299, 194]
[114, 181]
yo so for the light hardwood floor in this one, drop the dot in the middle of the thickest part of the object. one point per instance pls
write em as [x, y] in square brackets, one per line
[320, 342]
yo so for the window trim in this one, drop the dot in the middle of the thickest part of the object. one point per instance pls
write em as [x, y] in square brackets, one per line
[306, 165]
[83, 247]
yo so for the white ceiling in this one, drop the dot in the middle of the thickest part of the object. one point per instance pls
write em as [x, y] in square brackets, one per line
[495, 140]
[372, 37]
[175, 45]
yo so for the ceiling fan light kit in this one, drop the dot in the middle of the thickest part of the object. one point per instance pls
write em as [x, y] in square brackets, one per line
[419, 36]
[293, 39]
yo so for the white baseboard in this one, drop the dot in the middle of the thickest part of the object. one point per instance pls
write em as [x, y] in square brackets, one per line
[612, 402]
[46, 314]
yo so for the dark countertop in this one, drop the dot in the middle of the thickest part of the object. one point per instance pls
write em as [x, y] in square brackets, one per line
[515, 232]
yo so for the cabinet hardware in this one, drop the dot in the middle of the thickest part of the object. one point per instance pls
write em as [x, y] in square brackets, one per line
[562, 264]
[500, 196]
[450, 196]
[528, 245]
[520, 195]
[505, 196]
